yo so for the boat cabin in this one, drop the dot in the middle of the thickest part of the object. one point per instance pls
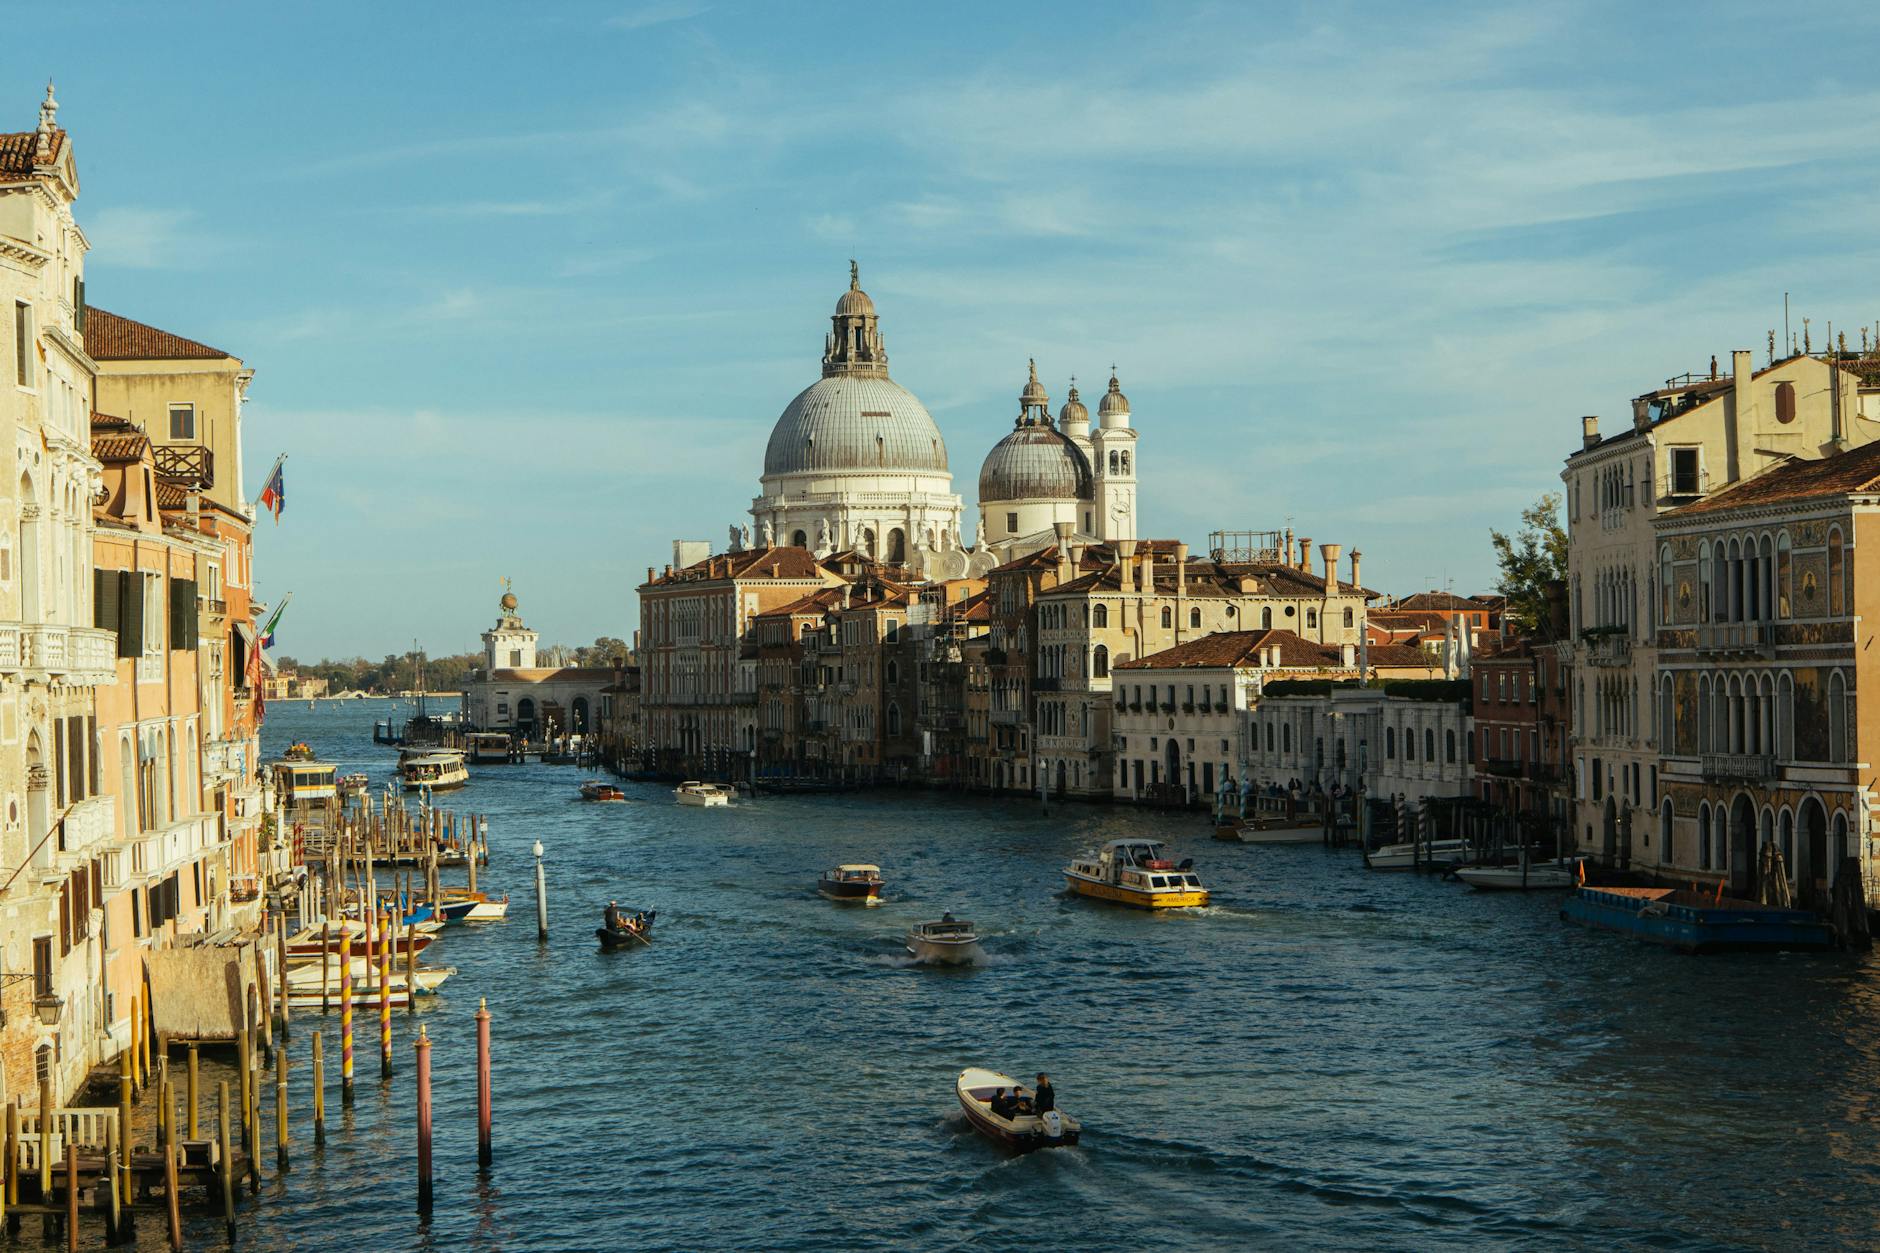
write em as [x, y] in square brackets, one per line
[945, 929]
[1141, 864]
[858, 873]
[308, 792]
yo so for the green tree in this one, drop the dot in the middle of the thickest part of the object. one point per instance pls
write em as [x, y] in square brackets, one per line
[1533, 563]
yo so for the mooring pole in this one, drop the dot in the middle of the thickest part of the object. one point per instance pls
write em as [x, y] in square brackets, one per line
[423, 1049]
[484, 1155]
[541, 895]
[345, 1017]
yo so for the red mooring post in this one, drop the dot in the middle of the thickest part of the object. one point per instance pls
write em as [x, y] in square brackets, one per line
[483, 1083]
[423, 1048]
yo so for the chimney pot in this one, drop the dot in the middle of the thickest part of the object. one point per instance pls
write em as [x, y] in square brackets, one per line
[1589, 431]
[1355, 580]
[1329, 554]
[1305, 553]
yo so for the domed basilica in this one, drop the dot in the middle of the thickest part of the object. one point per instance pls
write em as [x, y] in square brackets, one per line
[856, 462]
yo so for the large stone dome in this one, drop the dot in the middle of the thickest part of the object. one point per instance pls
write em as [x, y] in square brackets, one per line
[855, 422]
[1035, 462]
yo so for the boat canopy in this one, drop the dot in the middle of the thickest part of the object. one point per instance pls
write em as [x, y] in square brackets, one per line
[859, 868]
[954, 926]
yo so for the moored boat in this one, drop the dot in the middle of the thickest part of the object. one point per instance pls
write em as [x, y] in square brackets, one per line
[1534, 876]
[1697, 922]
[1254, 833]
[857, 882]
[948, 942]
[1409, 856]
[1052, 1129]
[692, 792]
[1136, 872]
[601, 790]
[487, 748]
[308, 942]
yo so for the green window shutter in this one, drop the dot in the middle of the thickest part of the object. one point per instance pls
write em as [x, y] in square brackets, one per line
[130, 613]
[104, 599]
[183, 595]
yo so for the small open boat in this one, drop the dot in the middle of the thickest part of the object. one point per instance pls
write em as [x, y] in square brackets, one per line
[1024, 1132]
[1407, 856]
[1535, 876]
[600, 790]
[307, 942]
[631, 933]
[949, 942]
[852, 883]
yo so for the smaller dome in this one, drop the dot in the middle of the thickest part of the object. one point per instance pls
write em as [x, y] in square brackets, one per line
[855, 302]
[1113, 401]
[1034, 393]
[1073, 410]
[1035, 462]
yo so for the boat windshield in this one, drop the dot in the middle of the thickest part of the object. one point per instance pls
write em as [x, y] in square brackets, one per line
[946, 928]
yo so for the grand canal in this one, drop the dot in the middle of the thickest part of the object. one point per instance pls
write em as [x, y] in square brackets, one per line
[1325, 1058]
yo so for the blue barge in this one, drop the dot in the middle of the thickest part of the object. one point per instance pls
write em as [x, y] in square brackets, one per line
[1695, 922]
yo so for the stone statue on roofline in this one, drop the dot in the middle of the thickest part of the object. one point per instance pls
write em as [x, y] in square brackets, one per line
[822, 537]
[732, 543]
[770, 534]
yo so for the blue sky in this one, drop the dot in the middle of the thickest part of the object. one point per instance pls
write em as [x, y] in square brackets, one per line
[526, 286]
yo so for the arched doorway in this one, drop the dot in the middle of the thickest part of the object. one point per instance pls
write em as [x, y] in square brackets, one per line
[1172, 760]
[799, 539]
[578, 715]
[525, 715]
[1812, 873]
[897, 546]
[1739, 867]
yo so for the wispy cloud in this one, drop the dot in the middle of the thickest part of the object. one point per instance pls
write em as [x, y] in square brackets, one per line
[149, 239]
[657, 14]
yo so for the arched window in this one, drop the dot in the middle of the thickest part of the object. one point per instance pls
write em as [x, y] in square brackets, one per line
[1100, 616]
[1100, 662]
[1703, 837]
[799, 539]
[1664, 584]
[1168, 618]
[1429, 744]
[1351, 618]
[1667, 715]
[1269, 737]
[1390, 743]
[1836, 562]
[1266, 618]
[1703, 581]
[894, 673]
[894, 718]
[1837, 848]
[1785, 718]
[1312, 619]
[1285, 737]
[1664, 832]
[1410, 744]
[1449, 746]
[1785, 402]
[1194, 617]
[1785, 578]
[1837, 718]
[1785, 836]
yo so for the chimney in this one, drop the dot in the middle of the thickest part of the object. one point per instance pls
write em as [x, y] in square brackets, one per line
[1181, 569]
[1305, 554]
[649, 574]
[1077, 557]
[1642, 407]
[1126, 561]
[1063, 532]
[1286, 556]
[846, 588]
[1355, 580]
[668, 571]
[1589, 431]
[1348, 655]
[1145, 582]
[1741, 404]
[1329, 554]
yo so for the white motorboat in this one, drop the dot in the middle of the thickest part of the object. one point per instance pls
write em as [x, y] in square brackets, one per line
[949, 942]
[1246, 833]
[438, 771]
[692, 792]
[1536, 876]
[977, 1087]
[1136, 872]
[1408, 856]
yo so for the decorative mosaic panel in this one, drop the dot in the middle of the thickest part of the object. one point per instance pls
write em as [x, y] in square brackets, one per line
[1811, 585]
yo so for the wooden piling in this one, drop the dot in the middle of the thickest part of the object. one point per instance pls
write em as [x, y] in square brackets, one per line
[226, 1164]
[281, 971]
[326, 956]
[112, 1155]
[45, 1138]
[345, 1017]
[125, 1065]
[280, 1109]
[423, 1049]
[9, 1166]
[319, 1094]
[484, 1155]
[243, 1044]
[166, 1112]
[411, 972]
[71, 1196]
[193, 1049]
[385, 998]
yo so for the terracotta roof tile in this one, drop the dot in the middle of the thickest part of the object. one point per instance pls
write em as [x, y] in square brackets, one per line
[109, 337]
[754, 563]
[1398, 657]
[17, 149]
[1442, 602]
[1235, 648]
[1857, 470]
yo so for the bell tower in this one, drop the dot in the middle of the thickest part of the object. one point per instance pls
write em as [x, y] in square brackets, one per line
[854, 345]
[1113, 455]
[509, 645]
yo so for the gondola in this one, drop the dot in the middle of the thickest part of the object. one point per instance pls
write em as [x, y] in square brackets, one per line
[630, 934]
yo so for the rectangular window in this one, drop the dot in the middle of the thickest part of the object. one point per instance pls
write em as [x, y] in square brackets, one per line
[182, 422]
[23, 344]
[42, 965]
[1686, 478]
[1011, 524]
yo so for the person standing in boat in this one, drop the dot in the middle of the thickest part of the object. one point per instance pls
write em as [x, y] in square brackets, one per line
[611, 918]
[1043, 1098]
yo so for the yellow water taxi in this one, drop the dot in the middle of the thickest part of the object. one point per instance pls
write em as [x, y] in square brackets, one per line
[1136, 872]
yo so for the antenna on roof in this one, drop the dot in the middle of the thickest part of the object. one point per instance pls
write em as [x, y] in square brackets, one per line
[1788, 336]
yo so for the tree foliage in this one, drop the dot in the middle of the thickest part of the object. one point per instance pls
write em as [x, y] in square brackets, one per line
[1533, 563]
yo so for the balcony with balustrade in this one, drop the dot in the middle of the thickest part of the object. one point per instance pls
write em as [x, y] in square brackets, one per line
[78, 656]
[191, 465]
[1752, 768]
[1736, 639]
[1609, 648]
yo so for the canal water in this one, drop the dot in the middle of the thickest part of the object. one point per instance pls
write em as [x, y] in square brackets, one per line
[1325, 1058]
